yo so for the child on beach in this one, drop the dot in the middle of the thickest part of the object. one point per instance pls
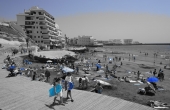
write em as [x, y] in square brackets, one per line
[57, 81]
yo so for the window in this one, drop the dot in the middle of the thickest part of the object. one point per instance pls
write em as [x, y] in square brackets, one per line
[41, 36]
[41, 41]
[38, 36]
[37, 27]
[34, 36]
[37, 31]
[36, 41]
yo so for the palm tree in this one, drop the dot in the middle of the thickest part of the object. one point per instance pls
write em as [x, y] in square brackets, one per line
[66, 39]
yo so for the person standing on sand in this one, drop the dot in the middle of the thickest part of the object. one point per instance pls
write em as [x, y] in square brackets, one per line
[107, 68]
[47, 75]
[34, 74]
[86, 81]
[77, 69]
[154, 72]
[138, 73]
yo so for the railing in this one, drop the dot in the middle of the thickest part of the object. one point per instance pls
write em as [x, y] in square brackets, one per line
[50, 21]
[41, 18]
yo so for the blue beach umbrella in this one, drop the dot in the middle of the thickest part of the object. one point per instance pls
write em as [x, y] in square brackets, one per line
[12, 67]
[22, 69]
[98, 65]
[152, 79]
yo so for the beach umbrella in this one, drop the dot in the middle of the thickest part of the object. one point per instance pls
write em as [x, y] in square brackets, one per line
[49, 61]
[152, 79]
[67, 69]
[12, 67]
[98, 65]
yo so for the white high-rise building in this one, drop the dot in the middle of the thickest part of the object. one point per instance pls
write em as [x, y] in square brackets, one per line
[39, 25]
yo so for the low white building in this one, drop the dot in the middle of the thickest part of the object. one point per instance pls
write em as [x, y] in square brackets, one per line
[85, 40]
[128, 41]
[115, 41]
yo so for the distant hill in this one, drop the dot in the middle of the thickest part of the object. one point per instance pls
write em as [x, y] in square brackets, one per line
[12, 32]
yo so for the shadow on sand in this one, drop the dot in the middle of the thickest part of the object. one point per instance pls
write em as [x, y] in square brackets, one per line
[51, 106]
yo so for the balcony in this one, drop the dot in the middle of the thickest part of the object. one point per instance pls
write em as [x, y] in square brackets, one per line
[29, 24]
[42, 23]
[50, 21]
[44, 27]
[50, 25]
[28, 28]
[45, 31]
[41, 18]
[45, 36]
[28, 19]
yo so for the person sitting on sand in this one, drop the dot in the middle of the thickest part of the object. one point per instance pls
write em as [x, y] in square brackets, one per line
[154, 85]
[120, 79]
[149, 87]
[126, 79]
[98, 88]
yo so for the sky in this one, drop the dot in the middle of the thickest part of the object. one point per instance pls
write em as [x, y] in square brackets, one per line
[146, 21]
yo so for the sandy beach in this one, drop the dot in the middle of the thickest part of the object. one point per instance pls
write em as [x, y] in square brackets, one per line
[124, 90]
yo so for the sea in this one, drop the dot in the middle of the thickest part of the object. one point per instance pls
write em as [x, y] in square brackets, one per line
[161, 49]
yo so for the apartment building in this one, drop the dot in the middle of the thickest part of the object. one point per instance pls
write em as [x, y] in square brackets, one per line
[39, 25]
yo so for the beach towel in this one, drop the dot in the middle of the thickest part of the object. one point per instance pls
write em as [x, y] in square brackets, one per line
[132, 81]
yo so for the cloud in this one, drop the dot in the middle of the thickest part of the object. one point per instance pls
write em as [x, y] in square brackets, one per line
[142, 27]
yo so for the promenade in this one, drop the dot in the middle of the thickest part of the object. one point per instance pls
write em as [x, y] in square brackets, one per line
[20, 93]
